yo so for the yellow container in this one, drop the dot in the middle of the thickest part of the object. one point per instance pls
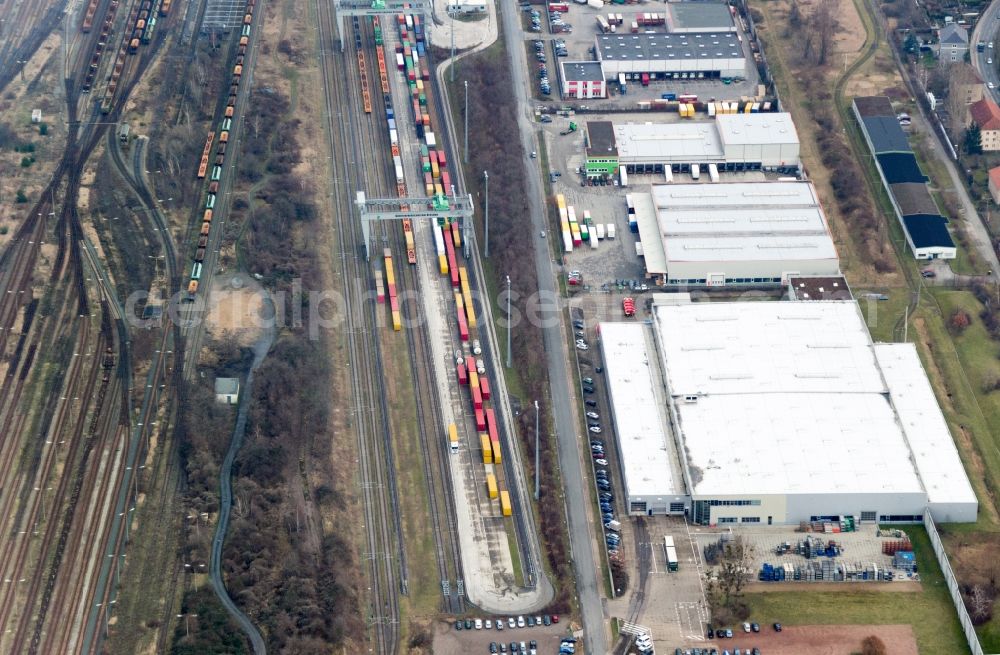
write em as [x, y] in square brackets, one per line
[495, 445]
[491, 485]
[505, 503]
[397, 321]
[484, 441]
[443, 264]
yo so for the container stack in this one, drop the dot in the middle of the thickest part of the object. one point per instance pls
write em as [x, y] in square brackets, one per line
[567, 234]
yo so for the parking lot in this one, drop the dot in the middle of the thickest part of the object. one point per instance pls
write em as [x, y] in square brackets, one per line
[449, 641]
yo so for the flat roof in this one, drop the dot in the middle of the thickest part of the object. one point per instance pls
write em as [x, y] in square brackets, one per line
[665, 47]
[700, 16]
[928, 231]
[934, 451]
[602, 139]
[768, 128]
[696, 139]
[913, 198]
[653, 253]
[790, 399]
[735, 195]
[632, 377]
[819, 287]
[583, 71]
[900, 167]
[885, 134]
[874, 106]
[752, 248]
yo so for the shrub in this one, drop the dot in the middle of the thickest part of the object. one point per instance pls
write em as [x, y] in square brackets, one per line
[21, 198]
[872, 645]
[959, 321]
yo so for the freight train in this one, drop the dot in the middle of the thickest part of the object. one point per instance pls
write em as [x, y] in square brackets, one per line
[225, 126]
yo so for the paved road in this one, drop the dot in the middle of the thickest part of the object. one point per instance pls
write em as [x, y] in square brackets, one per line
[987, 30]
[563, 401]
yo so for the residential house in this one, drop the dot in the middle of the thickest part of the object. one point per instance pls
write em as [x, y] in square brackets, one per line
[953, 43]
[986, 115]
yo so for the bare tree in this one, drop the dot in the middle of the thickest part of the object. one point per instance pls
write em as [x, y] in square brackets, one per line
[961, 77]
[824, 23]
[980, 604]
[735, 569]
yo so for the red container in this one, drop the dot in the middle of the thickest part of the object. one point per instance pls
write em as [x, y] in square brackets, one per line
[470, 363]
[445, 179]
[442, 161]
[428, 179]
[484, 386]
[416, 111]
[394, 303]
[463, 375]
[480, 420]
[477, 398]
[426, 71]
[449, 246]
[463, 327]
[491, 425]
[433, 155]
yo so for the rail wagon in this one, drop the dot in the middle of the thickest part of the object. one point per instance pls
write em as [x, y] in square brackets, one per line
[196, 272]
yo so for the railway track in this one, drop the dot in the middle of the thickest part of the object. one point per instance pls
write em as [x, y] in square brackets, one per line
[84, 413]
[352, 166]
[430, 426]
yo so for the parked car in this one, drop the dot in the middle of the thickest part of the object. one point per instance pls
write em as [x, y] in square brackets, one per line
[755, 627]
[595, 429]
[582, 346]
[590, 403]
[458, 624]
[586, 388]
[510, 622]
[601, 462]
[777, 627]
[746, 627]
[593, 415]
[493, 647]
[468, 624]
[479, 624]
[520, 622]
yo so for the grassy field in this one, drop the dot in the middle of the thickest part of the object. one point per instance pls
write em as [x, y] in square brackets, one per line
[930, 612]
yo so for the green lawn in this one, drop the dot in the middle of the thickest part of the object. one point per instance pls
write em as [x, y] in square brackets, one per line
[883, 317]
[930, 612]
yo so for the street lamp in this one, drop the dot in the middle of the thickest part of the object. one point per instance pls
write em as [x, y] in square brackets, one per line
[508, 323]
[187, 622]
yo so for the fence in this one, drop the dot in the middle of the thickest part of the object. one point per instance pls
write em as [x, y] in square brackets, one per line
[949, 578]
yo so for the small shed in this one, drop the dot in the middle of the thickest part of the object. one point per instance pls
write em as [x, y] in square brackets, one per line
[227, 390]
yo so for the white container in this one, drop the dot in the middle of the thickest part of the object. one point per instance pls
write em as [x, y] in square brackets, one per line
[431, 141]
[598, 231]
[596, 4]
[567, 241]
[695, 171]
[713, 172]
[611, 230]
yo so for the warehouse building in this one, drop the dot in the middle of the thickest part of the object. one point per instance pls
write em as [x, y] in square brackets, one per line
[650, 470]
[782, 412]
[685, 17]
[583, 79]
[925, 228]
[732, 142]
[734, 234]
[669, 56]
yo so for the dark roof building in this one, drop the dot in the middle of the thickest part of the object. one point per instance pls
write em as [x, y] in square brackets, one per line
[699, 17]
[900, 167]
[925, 231]
[601, 139]
[815, 287]
[885, 134]
[873, 106]
[913, 198]
[583, 71]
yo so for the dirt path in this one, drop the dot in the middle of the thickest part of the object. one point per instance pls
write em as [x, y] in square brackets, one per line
[825, 639]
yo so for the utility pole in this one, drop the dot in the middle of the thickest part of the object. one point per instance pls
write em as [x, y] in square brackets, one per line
[487, 228]
[466, 160]
[508, 323]
[452, 66]
[537, 463]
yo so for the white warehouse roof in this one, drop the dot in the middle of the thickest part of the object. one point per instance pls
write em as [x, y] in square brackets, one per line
[647, 455]
[757, 129]
[949, 492]
[694, 141]
[753, 248]
[759, 230]
[791, 399]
